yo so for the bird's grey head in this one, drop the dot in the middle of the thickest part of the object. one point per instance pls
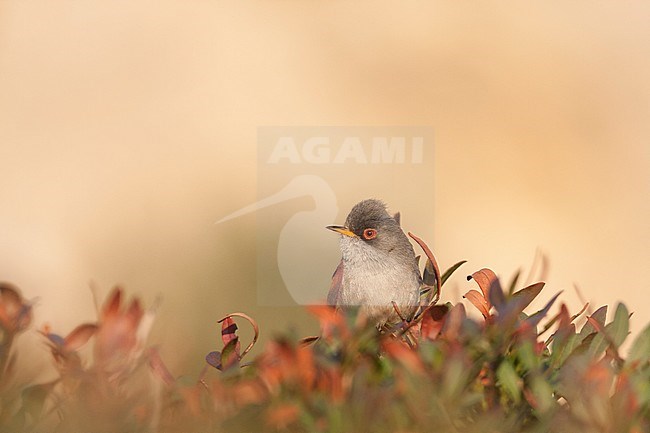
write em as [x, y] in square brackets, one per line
[370, 224]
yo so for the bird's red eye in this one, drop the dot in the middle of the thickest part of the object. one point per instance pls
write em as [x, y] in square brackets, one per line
[369, 234]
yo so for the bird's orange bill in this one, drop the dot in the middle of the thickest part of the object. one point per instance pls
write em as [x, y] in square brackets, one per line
[343, 230]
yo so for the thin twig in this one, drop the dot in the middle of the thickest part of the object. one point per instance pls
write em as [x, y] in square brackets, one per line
[399, 314]
[404, 326]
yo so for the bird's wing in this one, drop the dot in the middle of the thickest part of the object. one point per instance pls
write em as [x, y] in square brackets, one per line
[336, 285]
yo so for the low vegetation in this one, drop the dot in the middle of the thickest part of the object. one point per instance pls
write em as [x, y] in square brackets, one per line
[509, 371]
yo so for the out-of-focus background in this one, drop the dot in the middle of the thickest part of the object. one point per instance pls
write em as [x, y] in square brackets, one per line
[127, 129]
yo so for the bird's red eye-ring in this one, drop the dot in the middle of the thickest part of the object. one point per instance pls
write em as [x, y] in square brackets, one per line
[369, 234]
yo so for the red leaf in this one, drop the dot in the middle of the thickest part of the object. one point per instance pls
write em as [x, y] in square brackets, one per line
[404, 355]
[433, 321]
[135, 312]
[484, 278]
[490, 286]
[479, 302]
[331, 321]
[281, 416]
[453, 322]
[15, 315]
[565, 320]
[112, 305]
[228, 330]
[248, 392]
[10, 294]
[79, 336]
[305, 367]
[431, 257]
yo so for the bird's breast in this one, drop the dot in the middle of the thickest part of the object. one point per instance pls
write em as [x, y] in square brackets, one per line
[371, 278]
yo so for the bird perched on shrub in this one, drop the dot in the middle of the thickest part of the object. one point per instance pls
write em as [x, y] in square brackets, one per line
[378, 265]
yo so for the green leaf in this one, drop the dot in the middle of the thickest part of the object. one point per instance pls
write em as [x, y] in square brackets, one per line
[450, 271]
[599, 316]
[454, 378]
[527, 357]
[562, 349]
[230, 354]
[640, 351]
[537, 317]
[620, 326]
[543, 394]
[596, 344]
[591, 347]
[525, 296]
[509, 380]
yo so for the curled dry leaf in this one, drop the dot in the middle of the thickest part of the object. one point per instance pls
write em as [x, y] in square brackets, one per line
[228, 335]
[228, 330]
[228, 321]
[79, 336]
[479, 302]
[484, 278]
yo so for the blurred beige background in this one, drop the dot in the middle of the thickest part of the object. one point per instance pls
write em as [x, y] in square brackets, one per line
[128, 128]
